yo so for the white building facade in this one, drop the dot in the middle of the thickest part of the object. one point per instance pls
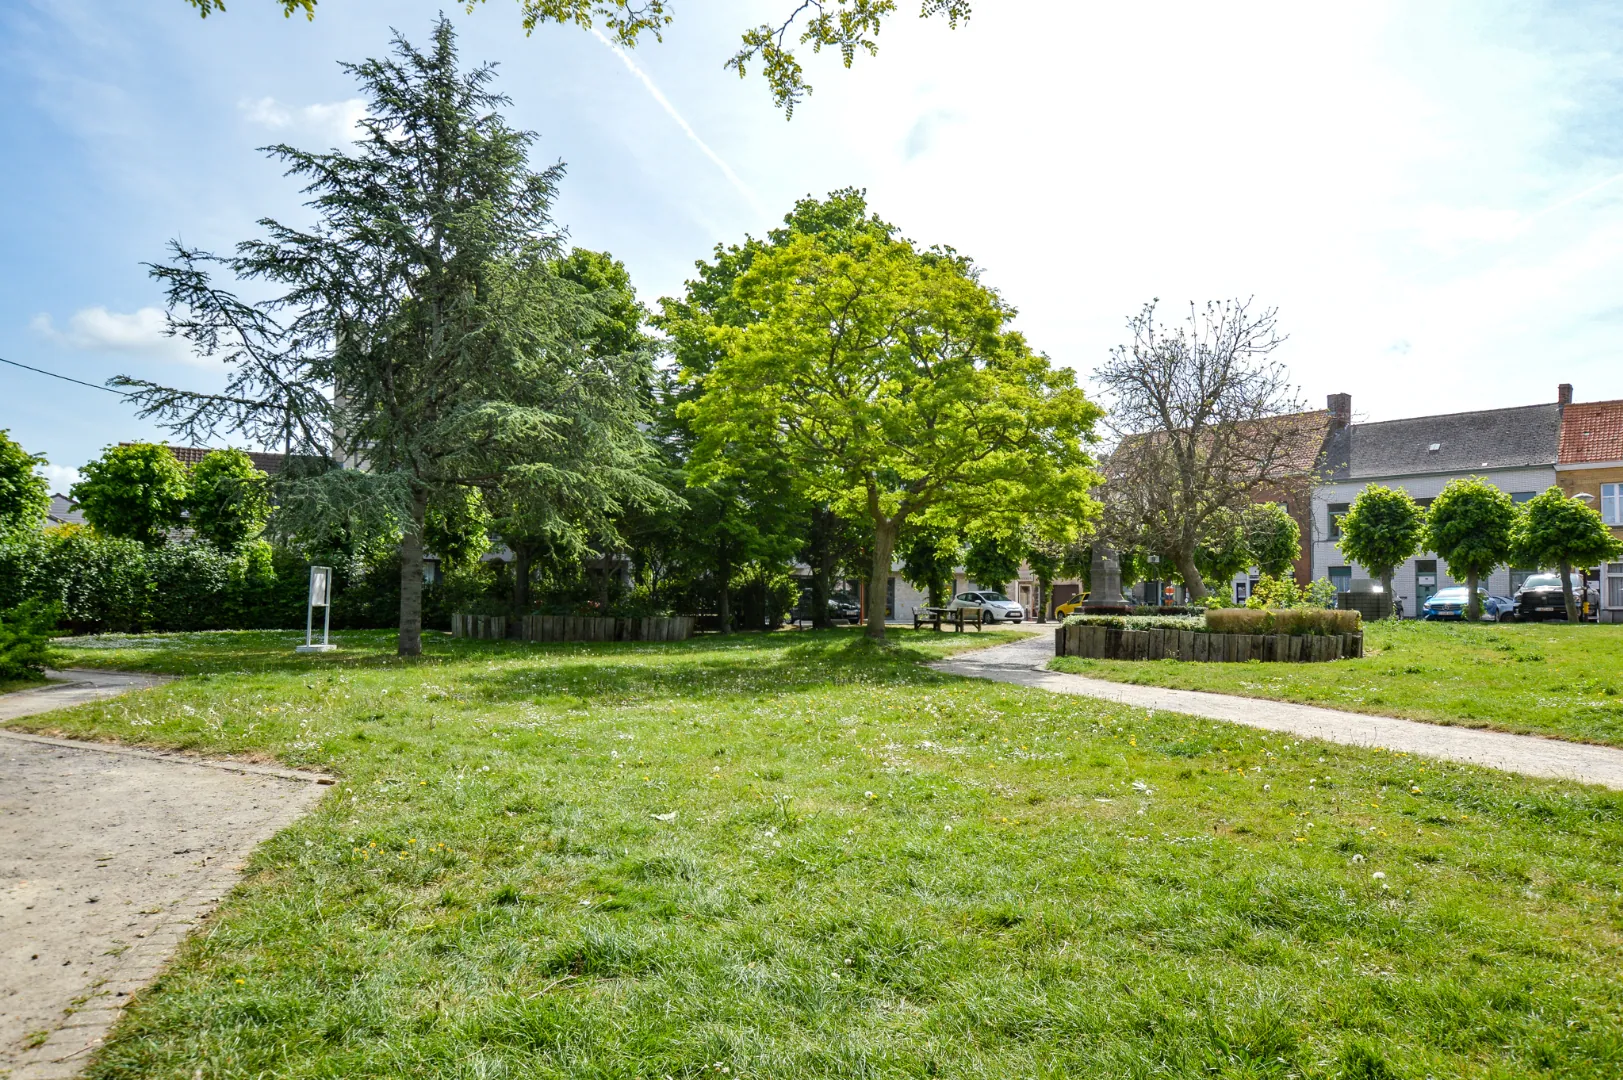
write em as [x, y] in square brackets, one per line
[1513, 449]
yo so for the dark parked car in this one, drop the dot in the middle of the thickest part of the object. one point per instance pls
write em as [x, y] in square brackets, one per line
[1540, 598]
[1449, 603]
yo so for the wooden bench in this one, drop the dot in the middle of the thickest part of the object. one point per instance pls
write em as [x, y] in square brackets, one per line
[957, 617]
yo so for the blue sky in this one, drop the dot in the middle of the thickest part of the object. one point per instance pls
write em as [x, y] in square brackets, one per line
[1432, 195]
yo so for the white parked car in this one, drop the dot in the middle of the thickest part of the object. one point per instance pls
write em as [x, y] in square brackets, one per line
[994, 606]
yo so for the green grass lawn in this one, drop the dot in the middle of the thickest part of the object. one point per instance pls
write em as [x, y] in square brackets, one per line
[800, 856]
[1540, 678]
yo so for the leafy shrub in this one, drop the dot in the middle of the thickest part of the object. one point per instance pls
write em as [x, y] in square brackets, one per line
[25, 639]
[1273, 593]
[189, 584]
[1249, 620]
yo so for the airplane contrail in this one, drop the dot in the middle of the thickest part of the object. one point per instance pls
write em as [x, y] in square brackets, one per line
[665, 103]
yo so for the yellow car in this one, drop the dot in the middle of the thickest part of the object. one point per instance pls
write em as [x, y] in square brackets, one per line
[1071, 607]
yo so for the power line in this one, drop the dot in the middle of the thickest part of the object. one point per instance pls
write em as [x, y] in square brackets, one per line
[64, 378]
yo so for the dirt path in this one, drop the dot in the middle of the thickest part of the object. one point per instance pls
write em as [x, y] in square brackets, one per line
[1024, 663]
[108, 856]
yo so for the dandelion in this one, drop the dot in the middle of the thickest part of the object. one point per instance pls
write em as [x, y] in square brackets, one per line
[241, 981]
[1379, 875]
[947, 828]
[1357, 858]
[869, 795]
[1414, 790]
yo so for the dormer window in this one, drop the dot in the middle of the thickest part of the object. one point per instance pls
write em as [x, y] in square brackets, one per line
[1434, 447]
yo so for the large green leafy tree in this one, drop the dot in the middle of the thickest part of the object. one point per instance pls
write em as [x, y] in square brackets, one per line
[992, 561]
[749, 516]
[1553, 530]
[889, 380]
[135, 492]
[419, 331]
[229, 500]
[1381, 529]
[845, 26]
[1469, 525]
[24, 498]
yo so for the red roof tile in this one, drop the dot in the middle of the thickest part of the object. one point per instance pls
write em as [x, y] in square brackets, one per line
[1592, 431]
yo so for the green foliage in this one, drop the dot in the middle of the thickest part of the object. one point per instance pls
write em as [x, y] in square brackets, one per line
[229, 500]
[1381, 529]
[24, 498]
[845, 26]
[457, 527]
[1553, 530]
[465, 357]
[1272, 592]
[929, 555]
[101, 582]
[25, 639]
[1222, 552]
[993, 561]
[889, 382]
[1140, 622]
[1469, 525]
[1272, 538]
[134, 492]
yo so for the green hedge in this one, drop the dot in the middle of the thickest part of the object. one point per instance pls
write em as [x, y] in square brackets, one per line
[1139, 622]
[1234, 621]
[102, 584]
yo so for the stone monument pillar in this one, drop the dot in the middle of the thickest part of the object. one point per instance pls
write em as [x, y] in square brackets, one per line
[1104, 597]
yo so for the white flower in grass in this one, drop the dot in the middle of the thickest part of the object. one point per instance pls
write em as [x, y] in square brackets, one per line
[1357, 858]
[1379, 875]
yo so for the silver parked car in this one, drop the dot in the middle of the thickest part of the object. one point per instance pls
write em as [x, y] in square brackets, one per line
[994, 606]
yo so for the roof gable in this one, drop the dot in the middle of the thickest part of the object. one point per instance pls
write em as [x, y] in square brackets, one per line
[1592, 431]
[1450, 443]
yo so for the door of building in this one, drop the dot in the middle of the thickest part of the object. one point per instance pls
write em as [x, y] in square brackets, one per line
[1425, 584]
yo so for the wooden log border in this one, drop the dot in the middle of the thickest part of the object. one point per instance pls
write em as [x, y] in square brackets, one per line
[573, 628]
[1111, 643]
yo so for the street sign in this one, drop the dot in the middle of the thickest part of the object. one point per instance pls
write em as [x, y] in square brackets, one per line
[320, 597]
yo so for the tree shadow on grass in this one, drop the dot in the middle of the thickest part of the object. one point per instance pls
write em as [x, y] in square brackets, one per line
[757, 667]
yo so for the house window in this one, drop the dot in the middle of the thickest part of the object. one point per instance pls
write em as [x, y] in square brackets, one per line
[1425, 504]
[1522, 496]
[1341, 577]
[1614, 585]
[1337, 512]
[1611, 504]
[1239, 592]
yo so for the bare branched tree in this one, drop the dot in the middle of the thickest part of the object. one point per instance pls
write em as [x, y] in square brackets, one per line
[1202, 417]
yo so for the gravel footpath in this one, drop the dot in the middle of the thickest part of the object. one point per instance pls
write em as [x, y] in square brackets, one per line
[109, 855]
[1025, 663]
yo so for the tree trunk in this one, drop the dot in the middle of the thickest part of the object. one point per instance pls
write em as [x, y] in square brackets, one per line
[411, 579]
[822, 567]
[1386, 587]
[1566, 592]
[884, 545]
[1042, 599]
[521, 580]
[1191, 578]
[724, 596]
[602, 584]
[1473, 609]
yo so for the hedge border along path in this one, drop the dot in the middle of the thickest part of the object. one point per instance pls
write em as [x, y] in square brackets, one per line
[1108, 643]
[1025, 664]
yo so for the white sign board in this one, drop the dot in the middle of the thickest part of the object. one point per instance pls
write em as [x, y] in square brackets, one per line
[320, 597]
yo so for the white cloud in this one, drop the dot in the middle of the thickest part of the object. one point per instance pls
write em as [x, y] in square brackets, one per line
[340, 120]
[97, 329]
[60, 477]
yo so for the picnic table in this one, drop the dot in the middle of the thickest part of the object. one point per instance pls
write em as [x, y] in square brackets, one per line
[957, 617]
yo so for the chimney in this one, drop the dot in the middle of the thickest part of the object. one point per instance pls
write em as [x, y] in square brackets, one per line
[1340, 411]
[1563, 394]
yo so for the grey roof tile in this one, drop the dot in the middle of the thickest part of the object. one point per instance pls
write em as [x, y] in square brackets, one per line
[1493, 439]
